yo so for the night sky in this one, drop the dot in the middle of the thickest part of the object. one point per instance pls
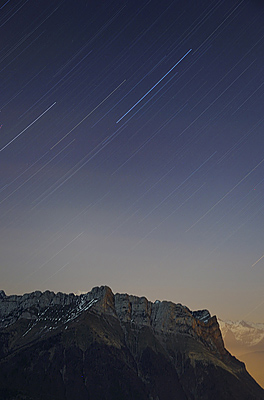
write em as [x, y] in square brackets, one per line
[131, 150]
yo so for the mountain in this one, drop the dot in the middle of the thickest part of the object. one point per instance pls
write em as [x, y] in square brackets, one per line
[105, 346]
[245, 340]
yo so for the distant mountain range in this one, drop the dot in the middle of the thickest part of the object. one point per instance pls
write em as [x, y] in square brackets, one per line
[245, 340]
[105, 346]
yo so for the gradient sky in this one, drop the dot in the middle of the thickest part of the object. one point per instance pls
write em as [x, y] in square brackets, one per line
[131, 150]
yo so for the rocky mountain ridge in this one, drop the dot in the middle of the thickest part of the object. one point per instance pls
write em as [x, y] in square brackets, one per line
[247, 333]
[162, 316]
[158, 351]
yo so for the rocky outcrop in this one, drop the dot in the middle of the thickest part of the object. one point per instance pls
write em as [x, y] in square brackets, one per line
[114, 346]
[162, 317]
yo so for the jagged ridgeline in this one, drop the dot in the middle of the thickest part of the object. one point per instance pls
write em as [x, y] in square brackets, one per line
[101, 346]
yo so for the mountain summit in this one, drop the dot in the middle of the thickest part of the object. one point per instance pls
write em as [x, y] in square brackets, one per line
[105, 346]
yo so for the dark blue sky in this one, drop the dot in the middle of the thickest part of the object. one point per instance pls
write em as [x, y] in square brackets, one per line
[131, 150]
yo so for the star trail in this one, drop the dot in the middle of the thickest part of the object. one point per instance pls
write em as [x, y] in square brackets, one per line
[131, 150]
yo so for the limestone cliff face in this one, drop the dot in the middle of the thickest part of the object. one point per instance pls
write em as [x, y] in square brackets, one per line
[110, 346]
[163, 317]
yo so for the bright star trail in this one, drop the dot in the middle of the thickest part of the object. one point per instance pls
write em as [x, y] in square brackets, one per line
[33, 122]
[255, 263]
[161, 79]
[131, 150]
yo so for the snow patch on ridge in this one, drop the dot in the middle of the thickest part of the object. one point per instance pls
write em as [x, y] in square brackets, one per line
[202, 315]
[57, 317]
